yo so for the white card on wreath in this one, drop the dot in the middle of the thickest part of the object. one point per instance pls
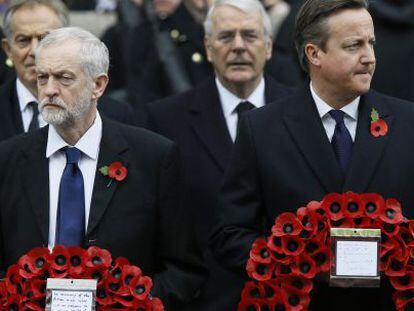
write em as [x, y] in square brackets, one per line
[70, 294]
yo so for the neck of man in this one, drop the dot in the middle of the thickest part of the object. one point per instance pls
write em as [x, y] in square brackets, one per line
[331, 96]
[73, 131]
[242, 90]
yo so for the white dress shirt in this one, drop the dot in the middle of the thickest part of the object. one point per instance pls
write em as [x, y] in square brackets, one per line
[229, 103]
[89, 146]
[25, 97]
[329, 123]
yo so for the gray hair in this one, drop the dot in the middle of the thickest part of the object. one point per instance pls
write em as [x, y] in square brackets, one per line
[93, 53]
[56, 5]
[312, 23]
[247, 6]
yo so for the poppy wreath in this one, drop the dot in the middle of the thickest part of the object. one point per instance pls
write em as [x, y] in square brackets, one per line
[283, 265]
[121, 286]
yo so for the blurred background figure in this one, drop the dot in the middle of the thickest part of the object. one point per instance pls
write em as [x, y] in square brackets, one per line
[167, 52]
[394, 49]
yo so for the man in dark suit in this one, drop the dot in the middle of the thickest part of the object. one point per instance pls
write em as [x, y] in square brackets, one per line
[50, 199]
[203, 122]
[25, 23]
[286, 154]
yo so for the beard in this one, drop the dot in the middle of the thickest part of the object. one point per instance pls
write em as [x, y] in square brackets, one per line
[68, 113]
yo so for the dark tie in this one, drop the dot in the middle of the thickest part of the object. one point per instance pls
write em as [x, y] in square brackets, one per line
[241, 108]
[34, 124]
[70, 224]
[341, 140]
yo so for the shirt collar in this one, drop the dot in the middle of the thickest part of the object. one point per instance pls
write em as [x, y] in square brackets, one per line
[23, 95]
[350, 109]
[88, 143]
[229, 101]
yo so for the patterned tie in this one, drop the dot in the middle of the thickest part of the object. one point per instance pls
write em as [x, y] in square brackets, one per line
[34, 124]
[241, 108]
[341, 140]
[70, 224]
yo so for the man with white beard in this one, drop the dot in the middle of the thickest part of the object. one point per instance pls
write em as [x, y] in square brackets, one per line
[53, 189]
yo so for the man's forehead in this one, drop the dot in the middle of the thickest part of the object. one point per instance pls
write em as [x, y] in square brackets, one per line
[350, 23]
[34, 20]
[58, 56]
[227, 16]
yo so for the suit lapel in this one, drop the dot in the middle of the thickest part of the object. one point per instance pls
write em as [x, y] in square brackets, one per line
[209, 124]
[112, 146]
[367, 150]
[36, 180]
[305, 126]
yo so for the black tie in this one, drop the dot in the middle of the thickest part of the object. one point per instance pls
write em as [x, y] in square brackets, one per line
[341, 140]
[34, 124]
[241, 108]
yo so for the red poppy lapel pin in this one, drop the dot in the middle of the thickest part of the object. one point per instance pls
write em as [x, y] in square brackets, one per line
[378, 126]
[116, 170]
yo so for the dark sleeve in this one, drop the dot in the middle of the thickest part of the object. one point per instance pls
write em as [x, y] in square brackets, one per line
[182, 269]
[239, 218]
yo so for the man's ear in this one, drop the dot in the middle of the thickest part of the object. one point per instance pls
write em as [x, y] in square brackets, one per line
[99, 86]
[207, 45]
[6, 47]
[313, 54]
[269, 47]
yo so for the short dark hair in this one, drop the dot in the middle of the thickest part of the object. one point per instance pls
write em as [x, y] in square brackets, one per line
[311, 23]
[56, 5]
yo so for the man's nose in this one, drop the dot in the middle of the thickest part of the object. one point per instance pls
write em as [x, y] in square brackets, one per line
[238, 42]
[33, 45]
[369, 55]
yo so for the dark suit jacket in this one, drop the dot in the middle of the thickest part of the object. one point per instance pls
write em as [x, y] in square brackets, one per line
[140, 217]
[11, 123]
[283, 159]
[195, 121]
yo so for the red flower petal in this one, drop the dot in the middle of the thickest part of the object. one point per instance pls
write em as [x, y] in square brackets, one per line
[286, 224]
[403, 282]
[392, 212]
[117, 170]
[354, 207]
[379, 128]
[259, 271]
[334, 205]
[373, 204]
[260, 251]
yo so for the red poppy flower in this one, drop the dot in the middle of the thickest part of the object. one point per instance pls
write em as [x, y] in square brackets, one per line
[98, 258]
[102, 296]
[387, 229]
[117, 170]
[34, 263]
[140, 287]
[403, 282]
[373, 204]
[305, 266]
[260, 251]
[309, 220]
[77, 260]
[316, 207]
[252, 290]
[392, 212]
[297, 299]
[292, 245]
[403, 298]
[301, 283]
[354, 207]
[322, 259]
[14, 280]
[379, 128]
[396, 265]
[274, 243]
[259, 271]
[286, 224]
[333, 204]
[36, 305]
[283, 270]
